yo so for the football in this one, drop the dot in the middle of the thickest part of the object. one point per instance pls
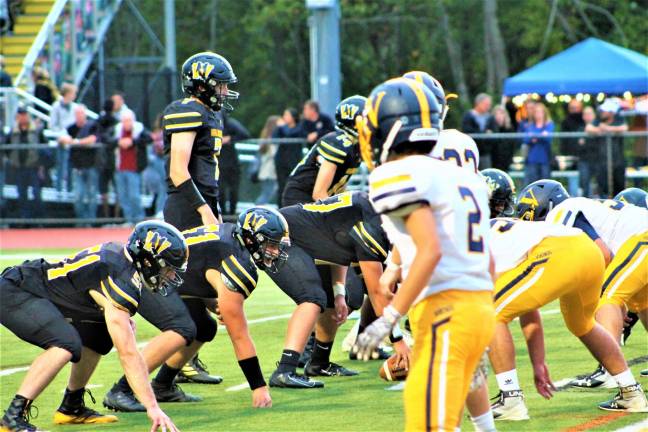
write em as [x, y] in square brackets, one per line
[391, 371]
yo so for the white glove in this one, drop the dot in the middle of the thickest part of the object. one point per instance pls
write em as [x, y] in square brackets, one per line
[373, 335]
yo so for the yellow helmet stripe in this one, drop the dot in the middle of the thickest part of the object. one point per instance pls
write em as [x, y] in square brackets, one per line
[423, 104]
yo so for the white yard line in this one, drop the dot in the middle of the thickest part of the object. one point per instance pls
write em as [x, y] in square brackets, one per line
[11, 371]
[635, 427]
[239, 387]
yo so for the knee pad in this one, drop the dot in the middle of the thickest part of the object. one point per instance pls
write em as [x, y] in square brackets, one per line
[94, 336]
[206, 329]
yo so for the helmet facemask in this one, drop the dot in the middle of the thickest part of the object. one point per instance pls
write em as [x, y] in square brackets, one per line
[268, 254]
[157, 275]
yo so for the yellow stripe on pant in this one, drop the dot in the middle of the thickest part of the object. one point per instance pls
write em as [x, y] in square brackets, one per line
[626, 278]
[570, 268]
[451, 330]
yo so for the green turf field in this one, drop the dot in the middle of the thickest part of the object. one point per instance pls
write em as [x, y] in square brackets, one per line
[346, 404]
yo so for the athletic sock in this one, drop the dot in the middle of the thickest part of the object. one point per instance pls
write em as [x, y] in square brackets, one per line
[289, 361]
[624, 379]
[122, 385]
[322, 353]
[166, 375]
[72, 400]
[508, 381]
[484, 422]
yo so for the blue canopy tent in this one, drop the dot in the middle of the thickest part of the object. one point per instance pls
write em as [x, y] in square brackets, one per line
[590, 66]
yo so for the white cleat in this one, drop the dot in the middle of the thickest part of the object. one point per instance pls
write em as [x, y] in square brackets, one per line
[630, 399]
[510, 406]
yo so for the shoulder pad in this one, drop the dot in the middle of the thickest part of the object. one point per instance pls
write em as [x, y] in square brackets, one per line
[122, 293]
[334, 147]
[371, 239]
[394, 191]
[239, 275]
[182, 117]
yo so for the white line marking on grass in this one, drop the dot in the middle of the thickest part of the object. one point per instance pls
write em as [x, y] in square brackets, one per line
[239, 387]
[12, 371]
[635, 427]
[270, 318]
[550, 312]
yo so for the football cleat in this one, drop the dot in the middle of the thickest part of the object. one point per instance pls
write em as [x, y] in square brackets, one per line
[124, 401]
[510, 405]
[196, 372]
[644, 373]
[292, 379]
[16, 418]
[173, 393]
[83, 415]
[378, 354]
[600, 378]
[332, 369]
[630, 399]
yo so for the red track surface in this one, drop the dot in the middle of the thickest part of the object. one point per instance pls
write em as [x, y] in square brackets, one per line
[60, 238]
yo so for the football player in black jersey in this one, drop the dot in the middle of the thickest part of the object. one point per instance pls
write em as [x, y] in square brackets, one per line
[501, 189]
[77, 308]
[329, 164]
[193, 131]
[326, 237]
[223, 265]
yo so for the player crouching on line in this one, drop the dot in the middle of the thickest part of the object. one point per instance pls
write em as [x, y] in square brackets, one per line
[77, 308]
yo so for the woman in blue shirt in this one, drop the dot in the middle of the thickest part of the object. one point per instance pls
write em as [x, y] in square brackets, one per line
[538, 161]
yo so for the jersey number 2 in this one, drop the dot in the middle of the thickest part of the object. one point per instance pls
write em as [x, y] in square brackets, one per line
[475, 243]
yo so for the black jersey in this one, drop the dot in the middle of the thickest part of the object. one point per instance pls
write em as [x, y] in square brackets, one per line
[105, 268]
[342, 229]
[187, 115]
[217, 247]
[336, 147]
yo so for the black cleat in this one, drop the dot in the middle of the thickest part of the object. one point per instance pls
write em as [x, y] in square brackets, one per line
[378, 354]
[293, 380]
[16, 418]
[17, 425]
[122, 401]
[196, 372]
[173, 393]
[306, 356]
[332, 369]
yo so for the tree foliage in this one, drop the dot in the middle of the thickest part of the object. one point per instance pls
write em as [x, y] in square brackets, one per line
[267, 41]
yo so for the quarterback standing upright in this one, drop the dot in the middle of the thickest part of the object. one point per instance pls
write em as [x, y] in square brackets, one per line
[436, 217]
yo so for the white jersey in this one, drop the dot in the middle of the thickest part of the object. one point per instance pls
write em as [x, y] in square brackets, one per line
[513, 239]
[456, 146]
[460, 205]
[615, 222]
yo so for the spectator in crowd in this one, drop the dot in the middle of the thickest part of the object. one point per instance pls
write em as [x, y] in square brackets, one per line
[80, 138]
[504, 148]
[315, 123]
[61, 117]
[609, 122]
[587, 153]
[573, 122]
[5, 78]
[267, 173]
[538, 159]
[524, 115]
[119, 105]
[476, 121]
[26, 165]
[230, 170]
[44, 88]
[640, 146]
[287, 155]
[130, 140]
[154, 176]
[106, 127]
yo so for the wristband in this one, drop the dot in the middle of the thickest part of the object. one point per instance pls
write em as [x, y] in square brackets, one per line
[252, 371]
[338, 289]
[189, 191]
[390, 264]
[391, 315]
[396, 334]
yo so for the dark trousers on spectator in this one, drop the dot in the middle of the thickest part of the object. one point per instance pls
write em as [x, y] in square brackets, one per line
[585, 176]
[63, 169]
[618, 180]
[228, 190]
[536, 171]
[129, 186]
[26, 177]
[86, 188]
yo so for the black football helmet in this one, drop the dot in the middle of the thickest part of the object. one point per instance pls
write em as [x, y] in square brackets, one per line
[633, 195]
[346, 112]
[203, 74]
[401, 114]
[501, 192]
[433, 85]
[264, 232]
[159, 252]
[537, 199]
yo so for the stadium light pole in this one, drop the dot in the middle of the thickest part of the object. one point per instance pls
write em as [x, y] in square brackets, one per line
[324, 26]
[170, 43]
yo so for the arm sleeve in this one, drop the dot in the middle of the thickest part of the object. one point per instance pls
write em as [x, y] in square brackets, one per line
[182, 118]
[238, 275]
[122, 294]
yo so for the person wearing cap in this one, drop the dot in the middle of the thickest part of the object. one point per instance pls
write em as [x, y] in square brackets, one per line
[609, 122]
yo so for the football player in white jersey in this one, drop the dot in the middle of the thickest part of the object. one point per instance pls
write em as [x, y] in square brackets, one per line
[621, 232]
[436, 217]
[536, 263]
